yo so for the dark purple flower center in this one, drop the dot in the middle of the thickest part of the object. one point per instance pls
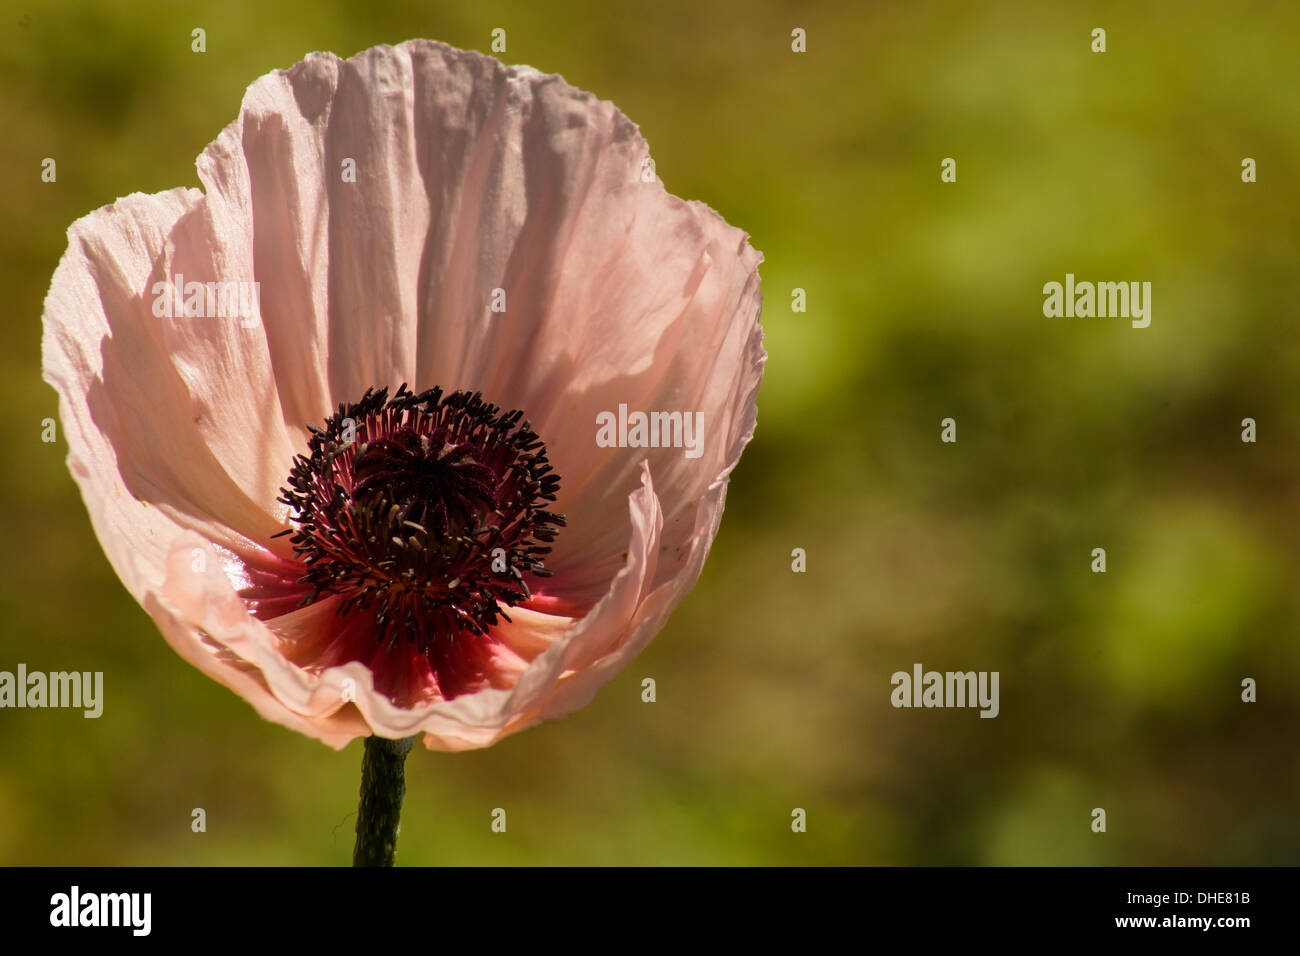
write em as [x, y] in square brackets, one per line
[426, 511]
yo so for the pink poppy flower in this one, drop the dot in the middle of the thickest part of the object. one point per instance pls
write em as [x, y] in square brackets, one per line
[337, 418]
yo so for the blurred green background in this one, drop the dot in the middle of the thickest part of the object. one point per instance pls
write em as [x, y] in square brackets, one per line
[1119, 690]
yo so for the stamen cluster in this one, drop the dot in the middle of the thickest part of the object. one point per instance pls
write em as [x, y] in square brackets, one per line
[426, 510]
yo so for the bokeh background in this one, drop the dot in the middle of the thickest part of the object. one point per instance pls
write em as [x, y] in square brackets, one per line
[924, 301]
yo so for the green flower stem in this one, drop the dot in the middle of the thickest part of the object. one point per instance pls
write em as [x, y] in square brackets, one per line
[383, 784]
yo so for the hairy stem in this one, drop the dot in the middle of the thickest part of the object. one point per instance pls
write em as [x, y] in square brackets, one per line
[383, 784]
